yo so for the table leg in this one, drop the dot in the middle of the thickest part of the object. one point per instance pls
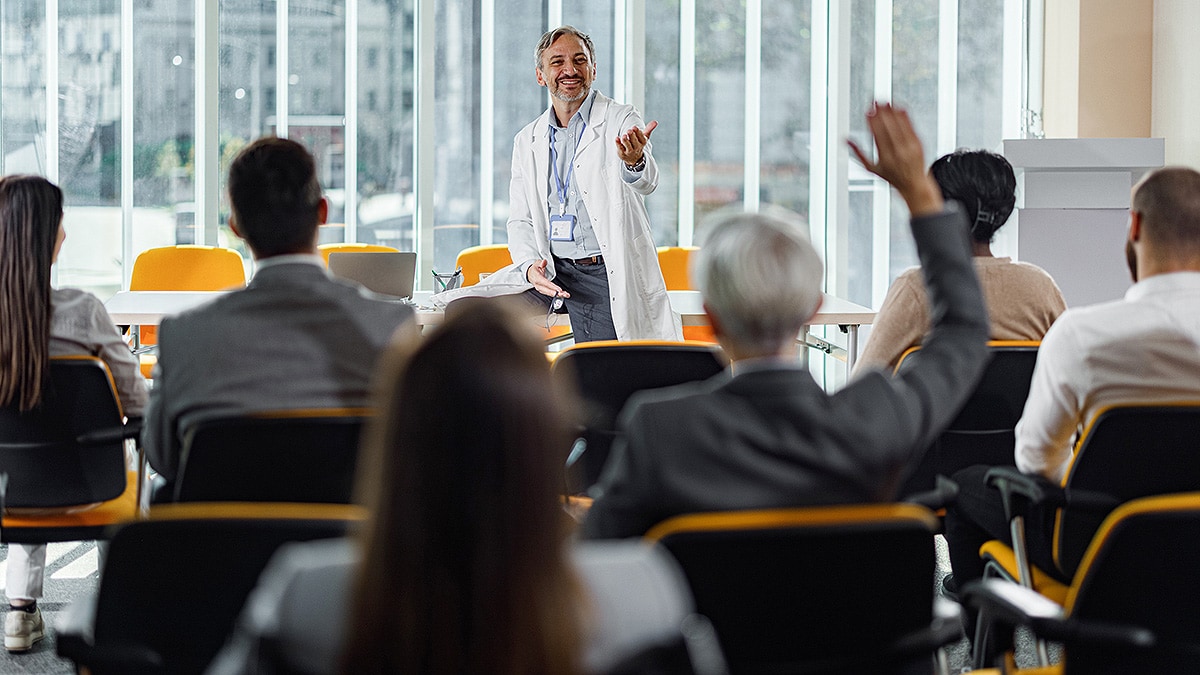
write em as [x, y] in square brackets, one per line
[851, 348]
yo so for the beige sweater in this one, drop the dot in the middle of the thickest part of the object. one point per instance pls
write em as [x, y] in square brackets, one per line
[1022, 301]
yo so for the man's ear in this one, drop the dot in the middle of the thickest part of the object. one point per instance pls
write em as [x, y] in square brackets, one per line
[322, 211]
[1135, 226]
[538, 73]
[234, 227]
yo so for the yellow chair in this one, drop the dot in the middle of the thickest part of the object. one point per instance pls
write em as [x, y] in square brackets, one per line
[674, 261]
[481, 259]
[327, 249]
[1131, 607]
[185, 267]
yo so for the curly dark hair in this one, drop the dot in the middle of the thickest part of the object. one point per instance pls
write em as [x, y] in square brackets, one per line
[984, 183]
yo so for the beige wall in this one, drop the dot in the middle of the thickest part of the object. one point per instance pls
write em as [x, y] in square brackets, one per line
[1099, 68]
[1176, 109]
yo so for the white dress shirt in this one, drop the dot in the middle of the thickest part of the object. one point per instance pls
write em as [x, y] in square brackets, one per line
[1144, 348]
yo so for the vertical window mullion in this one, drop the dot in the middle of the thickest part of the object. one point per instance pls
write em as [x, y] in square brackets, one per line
[423, 137]
[127, 85]
[753, 96]
[350, 126]
[687, 123]
[205, 147]
[52, 87]
[487, 119]
[882, 194]
[282, 67]
[947, 99]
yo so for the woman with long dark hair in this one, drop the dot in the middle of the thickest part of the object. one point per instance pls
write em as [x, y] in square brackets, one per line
[37, 322]
[464, 565]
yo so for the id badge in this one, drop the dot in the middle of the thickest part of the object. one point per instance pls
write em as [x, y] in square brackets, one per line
[562, 228]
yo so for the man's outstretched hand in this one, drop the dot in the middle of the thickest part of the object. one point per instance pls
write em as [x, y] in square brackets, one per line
[631, 144]
[901, 160]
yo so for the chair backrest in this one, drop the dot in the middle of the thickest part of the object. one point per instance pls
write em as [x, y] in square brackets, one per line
[174, 584]
[187, 267]
[39, 450]
[787, 589]
[607, 372]
[1127, 452]
[673, 261]
[1140, 570]
[984, 430]
[281, 456]
[481, 259]
[327, 250]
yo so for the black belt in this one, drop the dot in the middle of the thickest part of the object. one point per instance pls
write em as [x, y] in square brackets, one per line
[590, 260]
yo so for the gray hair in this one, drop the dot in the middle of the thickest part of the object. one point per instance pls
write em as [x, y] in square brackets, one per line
[761, 277]
[550, 36]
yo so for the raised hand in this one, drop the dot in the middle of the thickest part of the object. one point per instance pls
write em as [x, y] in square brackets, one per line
[901, 160]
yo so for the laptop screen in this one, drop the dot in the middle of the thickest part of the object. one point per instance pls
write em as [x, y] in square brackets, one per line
[386, 273]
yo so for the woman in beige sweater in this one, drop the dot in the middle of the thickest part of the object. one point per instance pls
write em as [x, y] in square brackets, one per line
[1022, 300]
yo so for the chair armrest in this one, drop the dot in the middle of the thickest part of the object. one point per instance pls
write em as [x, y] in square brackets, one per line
[131, 429]
[1011, 605]
[1020, 492]
[1091, 501]
[943, 495]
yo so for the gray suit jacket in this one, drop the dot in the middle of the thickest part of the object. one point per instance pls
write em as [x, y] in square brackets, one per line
[295, 337]
[293, 621]
[772, 438]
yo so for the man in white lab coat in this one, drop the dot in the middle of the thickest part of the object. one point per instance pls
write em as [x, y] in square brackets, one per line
[577, 227]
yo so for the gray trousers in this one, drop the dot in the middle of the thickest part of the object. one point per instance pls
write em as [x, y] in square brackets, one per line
[588, 306]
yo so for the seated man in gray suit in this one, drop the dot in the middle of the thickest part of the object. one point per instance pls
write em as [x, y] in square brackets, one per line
[295, 337]
[765, 435]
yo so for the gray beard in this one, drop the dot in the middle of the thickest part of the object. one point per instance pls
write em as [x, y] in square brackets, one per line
[571, 99]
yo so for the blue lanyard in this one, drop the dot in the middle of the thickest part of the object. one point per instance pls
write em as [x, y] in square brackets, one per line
[560, 184]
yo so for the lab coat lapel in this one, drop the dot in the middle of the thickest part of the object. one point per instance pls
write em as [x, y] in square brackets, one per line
[595, 126]
[541, 156]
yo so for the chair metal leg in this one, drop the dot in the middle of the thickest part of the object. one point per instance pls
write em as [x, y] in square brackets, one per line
[1025, 578]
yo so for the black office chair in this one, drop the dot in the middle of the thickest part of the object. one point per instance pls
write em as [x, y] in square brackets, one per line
[173, 585]
[804, 591]
[70, 451]
[1131, 607]
[608, 372]
[306, 455]
[984, 430]
[1126, 452]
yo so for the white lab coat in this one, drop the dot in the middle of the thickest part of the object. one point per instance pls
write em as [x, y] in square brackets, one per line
[641, 308]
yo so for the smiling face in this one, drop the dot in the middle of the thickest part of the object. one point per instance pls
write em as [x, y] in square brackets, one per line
[567, 69]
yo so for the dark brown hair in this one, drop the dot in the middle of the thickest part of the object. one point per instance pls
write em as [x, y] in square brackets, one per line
[464, 567]
[31, 210]
[274, 195]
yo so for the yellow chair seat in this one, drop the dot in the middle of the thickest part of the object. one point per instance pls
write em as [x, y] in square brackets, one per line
[1047, 670]
[1043, 583]
[121, 509]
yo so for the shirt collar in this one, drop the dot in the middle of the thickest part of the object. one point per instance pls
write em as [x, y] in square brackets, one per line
[764, 363]
[289, 259]
[1164, 283]
[584, 112]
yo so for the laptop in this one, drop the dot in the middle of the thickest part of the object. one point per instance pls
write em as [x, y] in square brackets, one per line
[386, 273]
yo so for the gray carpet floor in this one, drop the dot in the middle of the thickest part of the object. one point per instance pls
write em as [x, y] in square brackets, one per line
[71, 571]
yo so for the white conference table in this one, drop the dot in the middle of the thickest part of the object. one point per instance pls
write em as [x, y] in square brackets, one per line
[147, 308]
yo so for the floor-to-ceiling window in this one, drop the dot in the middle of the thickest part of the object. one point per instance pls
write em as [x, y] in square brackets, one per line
[410, 108]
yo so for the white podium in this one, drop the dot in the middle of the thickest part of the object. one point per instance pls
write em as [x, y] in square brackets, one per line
[1073, 209]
